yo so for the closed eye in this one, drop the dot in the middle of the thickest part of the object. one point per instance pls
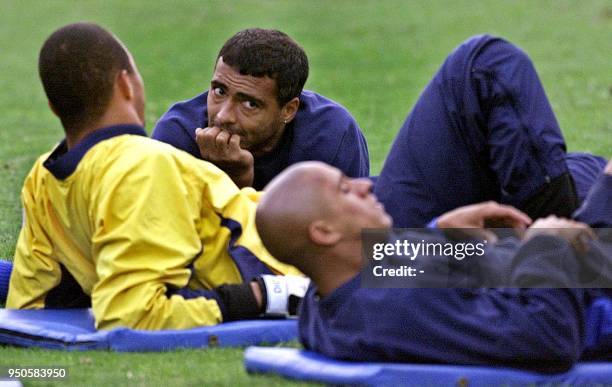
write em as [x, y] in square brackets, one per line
[345, 188]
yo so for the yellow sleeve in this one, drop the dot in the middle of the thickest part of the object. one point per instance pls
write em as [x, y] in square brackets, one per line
[240, 206]
[35, 273]
[255, 196]
[145, 237]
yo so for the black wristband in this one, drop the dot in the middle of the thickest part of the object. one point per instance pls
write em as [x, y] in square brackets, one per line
[264, 292]
[240, 302]
[558, 197]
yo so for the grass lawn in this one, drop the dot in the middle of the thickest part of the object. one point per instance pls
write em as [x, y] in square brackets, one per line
[374, 57]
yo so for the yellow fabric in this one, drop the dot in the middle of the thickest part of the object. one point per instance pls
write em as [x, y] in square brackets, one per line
[126, 224]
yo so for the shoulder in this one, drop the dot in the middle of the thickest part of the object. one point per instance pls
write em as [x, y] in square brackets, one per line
[147, 159]
[37, 174]
[324, 130]
[321, 124]
[128, 154]
[315, 108]
[188, 114]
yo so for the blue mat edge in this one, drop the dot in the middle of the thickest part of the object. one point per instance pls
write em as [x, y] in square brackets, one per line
[73, 330]
[308, 366]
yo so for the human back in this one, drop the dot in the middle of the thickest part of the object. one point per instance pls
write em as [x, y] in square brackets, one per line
[141, 229]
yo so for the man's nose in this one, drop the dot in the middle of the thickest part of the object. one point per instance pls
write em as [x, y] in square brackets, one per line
[363, 186]
[226, 114]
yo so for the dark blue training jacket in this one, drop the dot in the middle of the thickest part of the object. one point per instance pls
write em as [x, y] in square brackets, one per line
[322, 130]
[539, 329]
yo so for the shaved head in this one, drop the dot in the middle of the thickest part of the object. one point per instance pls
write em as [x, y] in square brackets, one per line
[311, 216]
[291, 203]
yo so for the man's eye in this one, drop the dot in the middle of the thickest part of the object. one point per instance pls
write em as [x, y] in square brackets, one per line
[250, 105]
[344, 188]
[219, 91]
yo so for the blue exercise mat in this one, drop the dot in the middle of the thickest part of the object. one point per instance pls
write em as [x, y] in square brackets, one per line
[6, 267]
[598, 327]
[309, 366]
[73, 330]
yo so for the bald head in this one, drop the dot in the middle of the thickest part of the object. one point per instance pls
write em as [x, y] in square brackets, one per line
[311, 216]
[291, 203]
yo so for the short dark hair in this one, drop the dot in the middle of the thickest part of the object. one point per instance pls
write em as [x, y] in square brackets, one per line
[259, 52]
[77, 66]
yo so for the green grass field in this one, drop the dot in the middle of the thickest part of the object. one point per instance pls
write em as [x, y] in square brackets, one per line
[374, 57]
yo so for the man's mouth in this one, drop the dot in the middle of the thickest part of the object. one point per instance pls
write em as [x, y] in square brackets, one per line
[230, 130]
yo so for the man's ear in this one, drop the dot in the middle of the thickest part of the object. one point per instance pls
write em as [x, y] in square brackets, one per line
[608, 169]
[52, 108]
[290, 109]
[322, 233]
[124, 84]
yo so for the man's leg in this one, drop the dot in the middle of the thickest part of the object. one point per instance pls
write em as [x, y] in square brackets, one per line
[481, 130]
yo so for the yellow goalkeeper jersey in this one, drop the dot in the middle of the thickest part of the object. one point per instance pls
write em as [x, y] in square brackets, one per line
[130, 219]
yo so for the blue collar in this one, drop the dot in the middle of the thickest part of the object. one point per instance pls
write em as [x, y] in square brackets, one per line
[62, 162]
[332, 302]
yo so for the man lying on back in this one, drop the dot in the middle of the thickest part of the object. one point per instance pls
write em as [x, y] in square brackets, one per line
[532, 328]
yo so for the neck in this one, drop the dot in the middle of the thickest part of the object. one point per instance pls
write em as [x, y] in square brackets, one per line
[330, 281]
[109, 118]
[334, 269]
[270, 144]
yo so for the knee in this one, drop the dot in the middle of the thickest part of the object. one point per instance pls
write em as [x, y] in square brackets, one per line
[498, 53]
[486, 54]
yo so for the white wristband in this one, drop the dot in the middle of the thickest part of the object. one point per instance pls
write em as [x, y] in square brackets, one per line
[277, 294]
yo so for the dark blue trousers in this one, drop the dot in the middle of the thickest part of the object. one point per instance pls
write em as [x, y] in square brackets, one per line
[482, 129]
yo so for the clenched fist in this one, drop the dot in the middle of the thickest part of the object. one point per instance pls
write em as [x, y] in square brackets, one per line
[223, 149]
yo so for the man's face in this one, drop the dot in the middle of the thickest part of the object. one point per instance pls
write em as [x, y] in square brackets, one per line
[247, 106]
[354, 206]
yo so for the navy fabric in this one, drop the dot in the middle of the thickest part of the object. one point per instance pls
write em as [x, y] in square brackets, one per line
[74, 330]
[597, 207]
[321, 130]
[248, 264]
[599, 329]
[67, 294]
[309, 366]
[62, 162]
[6, 267]
[525, 328]
[482, 129]
[540, 329]
[585, 169]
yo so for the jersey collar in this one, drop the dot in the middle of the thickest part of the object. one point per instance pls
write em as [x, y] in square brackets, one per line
[63, 162]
